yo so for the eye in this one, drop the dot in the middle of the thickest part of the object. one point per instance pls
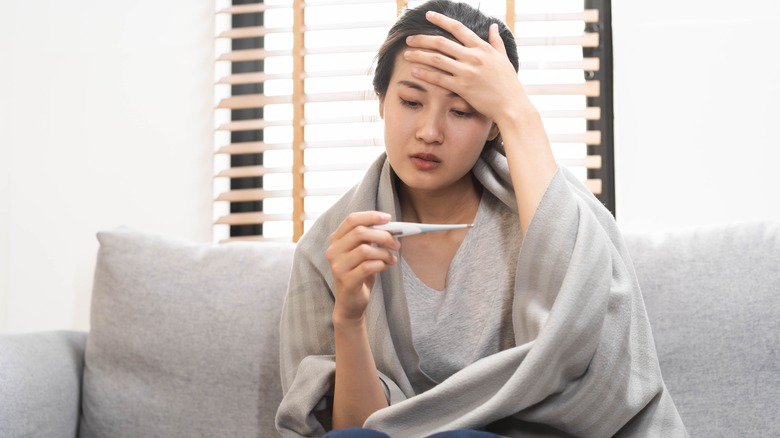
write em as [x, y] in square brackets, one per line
[463, 114]
[410, 103]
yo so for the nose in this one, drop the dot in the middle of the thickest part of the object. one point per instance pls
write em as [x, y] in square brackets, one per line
[430, 127]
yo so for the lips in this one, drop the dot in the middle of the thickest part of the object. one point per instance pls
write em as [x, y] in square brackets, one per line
[427, 157]
[425, 161]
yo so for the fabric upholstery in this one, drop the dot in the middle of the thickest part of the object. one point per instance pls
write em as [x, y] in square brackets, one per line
[713, 298]
[40, 382]
[183, 339]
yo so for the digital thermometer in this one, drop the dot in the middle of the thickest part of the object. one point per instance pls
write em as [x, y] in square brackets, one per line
[402, 229]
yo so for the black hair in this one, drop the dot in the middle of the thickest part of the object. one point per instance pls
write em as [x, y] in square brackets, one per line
[413, 22]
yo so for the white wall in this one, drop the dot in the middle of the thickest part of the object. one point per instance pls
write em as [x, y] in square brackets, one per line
[105, 119]
[697, 104]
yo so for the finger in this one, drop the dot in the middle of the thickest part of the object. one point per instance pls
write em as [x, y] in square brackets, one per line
[366, 253]
[435, 60]
[437, 77]
[495, 40]
[366, 234]
[364, 218]
[462, 33]
[354, 267]
[360, 235]
[348, 252]
[438, 44]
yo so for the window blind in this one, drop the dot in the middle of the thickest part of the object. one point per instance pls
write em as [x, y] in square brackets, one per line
[297, 120]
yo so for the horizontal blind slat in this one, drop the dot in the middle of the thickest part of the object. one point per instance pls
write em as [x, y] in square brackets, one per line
[251, 125]
[335, 167]
[246, 195]
[589, 89]
[370, 142]
[587, 64]
[252, 195]
[252, 32]
[588, 16]
[334, 50]
[251, 171]
[252, 8]
[342, 2]
[349, 25]
[252, 55]
[588, 39]
[255, 218]
[589, 138]
[249, 78]
[252, 101]
[251, 147]
[590, 113]
[589, 162]
[345, 119]
[252, 218]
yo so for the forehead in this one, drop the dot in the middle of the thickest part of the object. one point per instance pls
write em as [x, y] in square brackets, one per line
[402, 75]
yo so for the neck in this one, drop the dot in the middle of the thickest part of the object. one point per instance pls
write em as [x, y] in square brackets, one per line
[454, 205]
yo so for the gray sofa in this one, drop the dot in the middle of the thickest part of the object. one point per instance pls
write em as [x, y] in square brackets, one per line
[183, 338]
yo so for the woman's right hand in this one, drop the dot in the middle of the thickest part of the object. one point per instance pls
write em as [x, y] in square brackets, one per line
[356, 254]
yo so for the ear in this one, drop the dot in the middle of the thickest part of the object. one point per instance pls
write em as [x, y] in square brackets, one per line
[493, 132]
[382, 107]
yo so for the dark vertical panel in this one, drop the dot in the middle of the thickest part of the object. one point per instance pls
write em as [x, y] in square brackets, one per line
[244, 20]
[606, 124]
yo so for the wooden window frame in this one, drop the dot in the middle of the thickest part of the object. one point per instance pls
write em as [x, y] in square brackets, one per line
[246, 102]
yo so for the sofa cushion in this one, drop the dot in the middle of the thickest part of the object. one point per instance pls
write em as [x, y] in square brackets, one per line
[40, 383]
[184, 337]
[713, 298]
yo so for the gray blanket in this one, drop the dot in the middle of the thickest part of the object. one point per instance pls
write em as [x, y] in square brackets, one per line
[584, 363]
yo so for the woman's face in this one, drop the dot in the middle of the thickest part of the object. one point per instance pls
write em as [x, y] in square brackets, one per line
[432, 136]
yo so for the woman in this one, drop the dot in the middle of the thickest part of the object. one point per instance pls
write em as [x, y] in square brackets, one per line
[464, 329]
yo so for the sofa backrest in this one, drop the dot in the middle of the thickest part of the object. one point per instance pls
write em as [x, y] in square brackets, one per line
[713, 298]
[184, 337]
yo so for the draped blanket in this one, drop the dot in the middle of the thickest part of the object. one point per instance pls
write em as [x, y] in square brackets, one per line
[584, 361]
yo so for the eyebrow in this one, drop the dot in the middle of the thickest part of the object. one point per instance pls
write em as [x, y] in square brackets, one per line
[416, 86]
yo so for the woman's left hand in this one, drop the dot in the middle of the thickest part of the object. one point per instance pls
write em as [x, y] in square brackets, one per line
[478, 71]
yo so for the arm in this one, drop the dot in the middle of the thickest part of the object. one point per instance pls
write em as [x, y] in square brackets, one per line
[481, 73]
[356, 257]
[358, 392]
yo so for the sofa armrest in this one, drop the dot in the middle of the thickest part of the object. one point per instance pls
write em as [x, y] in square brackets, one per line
[40, 383]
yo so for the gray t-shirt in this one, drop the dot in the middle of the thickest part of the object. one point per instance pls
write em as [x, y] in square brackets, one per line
[472, 317]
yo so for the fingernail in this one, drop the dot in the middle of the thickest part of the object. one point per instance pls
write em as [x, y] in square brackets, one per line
[407, 54]
[383, 215]
[409, 39]
[429, 14]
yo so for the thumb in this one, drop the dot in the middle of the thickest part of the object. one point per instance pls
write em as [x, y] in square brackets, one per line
[494, 38]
